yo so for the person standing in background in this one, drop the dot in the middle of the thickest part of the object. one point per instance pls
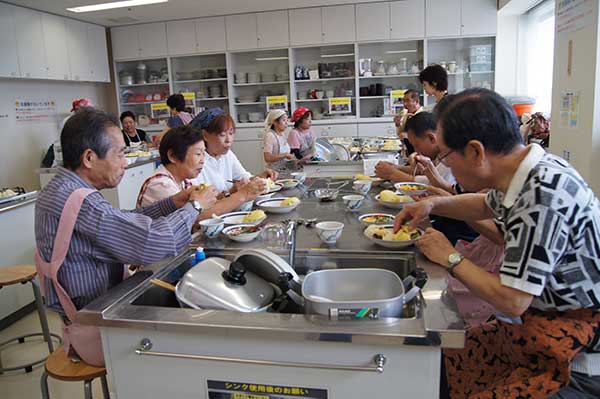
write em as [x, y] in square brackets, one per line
[179, 117]
[131, 134]
[302, 139]
[276, 150]
[412, 106]
[434, 79]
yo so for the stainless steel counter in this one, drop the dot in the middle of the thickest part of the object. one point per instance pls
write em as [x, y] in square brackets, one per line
[435, 324]
[7, 206]
[54, 170]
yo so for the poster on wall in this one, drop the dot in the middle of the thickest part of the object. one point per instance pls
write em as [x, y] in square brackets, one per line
[277, 102]
[35, 111]
[569, 109]
[573, 15]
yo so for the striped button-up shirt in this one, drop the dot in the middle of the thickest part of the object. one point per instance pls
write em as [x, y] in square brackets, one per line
[105, 238]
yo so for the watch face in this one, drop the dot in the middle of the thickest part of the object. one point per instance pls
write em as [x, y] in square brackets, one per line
[454, 258]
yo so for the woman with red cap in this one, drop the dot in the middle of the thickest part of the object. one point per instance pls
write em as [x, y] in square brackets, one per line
[302, 139]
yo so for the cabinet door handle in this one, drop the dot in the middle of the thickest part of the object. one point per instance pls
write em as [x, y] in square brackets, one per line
[379, 360]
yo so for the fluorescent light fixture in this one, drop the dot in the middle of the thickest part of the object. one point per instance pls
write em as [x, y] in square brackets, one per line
[336, 55]
[400, 51]
[115, 4]
[271, 58]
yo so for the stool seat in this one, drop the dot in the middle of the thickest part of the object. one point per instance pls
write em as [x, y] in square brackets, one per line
[16, 274]
[59, 366]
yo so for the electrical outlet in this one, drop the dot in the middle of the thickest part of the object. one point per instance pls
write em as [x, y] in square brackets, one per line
[567, 155]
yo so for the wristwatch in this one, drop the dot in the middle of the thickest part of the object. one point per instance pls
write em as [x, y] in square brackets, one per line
[196, 205]
[453, 260]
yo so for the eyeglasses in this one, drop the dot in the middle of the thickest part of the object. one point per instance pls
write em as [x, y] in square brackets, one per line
[443, 158]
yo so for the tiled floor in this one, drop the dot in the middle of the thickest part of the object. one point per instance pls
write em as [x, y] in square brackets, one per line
[21, 385]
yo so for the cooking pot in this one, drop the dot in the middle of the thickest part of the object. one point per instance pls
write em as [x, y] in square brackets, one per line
[126, 79]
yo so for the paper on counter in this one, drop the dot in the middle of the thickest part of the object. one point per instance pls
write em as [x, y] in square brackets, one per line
[369, 164]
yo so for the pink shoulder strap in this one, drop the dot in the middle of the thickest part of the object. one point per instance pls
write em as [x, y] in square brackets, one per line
[62, 241]
[138, 202]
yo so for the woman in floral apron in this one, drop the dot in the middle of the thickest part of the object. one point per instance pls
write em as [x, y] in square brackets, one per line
[276, 150]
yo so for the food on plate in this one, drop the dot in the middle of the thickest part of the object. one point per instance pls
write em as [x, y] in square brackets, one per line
[390, 196]
[387, 233]
[243, 230]
[134, 154]
[254, 216]
[270, 183]
[378, 219]
[362, 177]
[290, 201]
[202, 186]
[410, 187]
[7, 193]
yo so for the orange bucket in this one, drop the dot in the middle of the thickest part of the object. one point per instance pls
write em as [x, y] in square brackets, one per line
[521, 109]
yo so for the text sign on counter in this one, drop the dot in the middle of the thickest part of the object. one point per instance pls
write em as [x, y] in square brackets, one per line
[369, 164]
[35, 111]
[340, 105]
[159, 110]
[252, 390]
[277, 102]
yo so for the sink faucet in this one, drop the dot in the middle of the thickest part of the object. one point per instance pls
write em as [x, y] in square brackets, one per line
[291, 241]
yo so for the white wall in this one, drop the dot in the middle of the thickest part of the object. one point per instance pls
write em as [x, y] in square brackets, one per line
[23, 145]
[507, 60]
[583, 143]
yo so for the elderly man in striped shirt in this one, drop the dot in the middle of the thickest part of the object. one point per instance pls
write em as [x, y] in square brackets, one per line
[104, 238]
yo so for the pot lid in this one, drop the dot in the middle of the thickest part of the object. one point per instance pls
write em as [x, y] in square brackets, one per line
[266, 264]
[217, 283]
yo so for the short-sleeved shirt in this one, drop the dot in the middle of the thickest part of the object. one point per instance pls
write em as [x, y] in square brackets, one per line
[160, 185]
[218, 170]
[302, 140]
[552, 233]
[181, 119]
[442, 169]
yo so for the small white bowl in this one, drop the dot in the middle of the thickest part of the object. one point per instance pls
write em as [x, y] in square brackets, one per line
[362, 186]
[300, 176]
[211, 227]
[326, 194]
[288, 183]
[362, 218]
[420, 188]
[329, 232]
[263, 197]
[246, 237]
[392, 244]
[274, 189]
[353, 201]
[393, 205]
[273, 205]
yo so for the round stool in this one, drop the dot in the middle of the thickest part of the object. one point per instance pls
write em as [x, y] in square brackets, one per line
[59, 366]
[26, 274]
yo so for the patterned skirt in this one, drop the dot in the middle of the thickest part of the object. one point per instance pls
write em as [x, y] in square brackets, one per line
[532, 360]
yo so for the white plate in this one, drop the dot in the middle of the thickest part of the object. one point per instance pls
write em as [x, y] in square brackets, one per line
[422, 188]
[393, 205]
[274, 189]
[366, 215]
[288, 183]
[263, 197]
[273, 205]
[238, 218]
[391, 244]
[246, 237]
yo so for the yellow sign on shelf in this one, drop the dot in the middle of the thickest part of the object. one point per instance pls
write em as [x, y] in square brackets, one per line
[159, 110]
[340, 105]
[277, 102]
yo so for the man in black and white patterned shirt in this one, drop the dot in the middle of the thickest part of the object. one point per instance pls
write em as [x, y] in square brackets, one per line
[551, 231]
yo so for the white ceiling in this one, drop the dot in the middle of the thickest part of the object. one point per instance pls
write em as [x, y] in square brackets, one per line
[174, 9]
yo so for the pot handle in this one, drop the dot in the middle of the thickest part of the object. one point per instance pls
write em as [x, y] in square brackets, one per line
[413, 292]
[378, 361]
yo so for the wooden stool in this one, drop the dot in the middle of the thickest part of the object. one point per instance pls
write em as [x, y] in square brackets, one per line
[26, 274]
[59, 366]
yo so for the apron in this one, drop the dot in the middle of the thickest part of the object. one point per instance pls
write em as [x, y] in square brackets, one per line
[280, 165]
[530, 360]
[85, 340]
[138, 202]
[306, 144]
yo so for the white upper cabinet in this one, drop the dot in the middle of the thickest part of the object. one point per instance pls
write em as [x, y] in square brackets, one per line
[125, 43]
[181, 37]
[273, 29]
[210, 35]
[479, 17]
[338, 24]
[372, 21]
[98, 53]
[443, 18]
[153, 40]
[9, 64]
[30, 43]
[77, 45]
[241, 32]
[55, 37]
[408, 19]
[305, 26]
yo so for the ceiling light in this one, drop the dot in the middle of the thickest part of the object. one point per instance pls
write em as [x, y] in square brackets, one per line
[400, 51]
[271, 58]
[336, 55]
[115, 4]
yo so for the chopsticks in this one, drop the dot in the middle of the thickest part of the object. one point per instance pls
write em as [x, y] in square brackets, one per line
[162, 284]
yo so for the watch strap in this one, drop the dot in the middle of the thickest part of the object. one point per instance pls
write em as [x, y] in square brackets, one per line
[451, 265]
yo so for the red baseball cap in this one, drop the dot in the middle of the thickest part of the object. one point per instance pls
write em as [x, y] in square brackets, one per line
[299, 113]
[81, 103]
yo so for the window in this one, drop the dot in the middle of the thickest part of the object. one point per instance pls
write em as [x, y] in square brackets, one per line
[539, 54]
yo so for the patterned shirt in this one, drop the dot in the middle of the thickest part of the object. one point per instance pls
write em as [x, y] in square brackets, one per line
[104, 238]
[552, 233]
